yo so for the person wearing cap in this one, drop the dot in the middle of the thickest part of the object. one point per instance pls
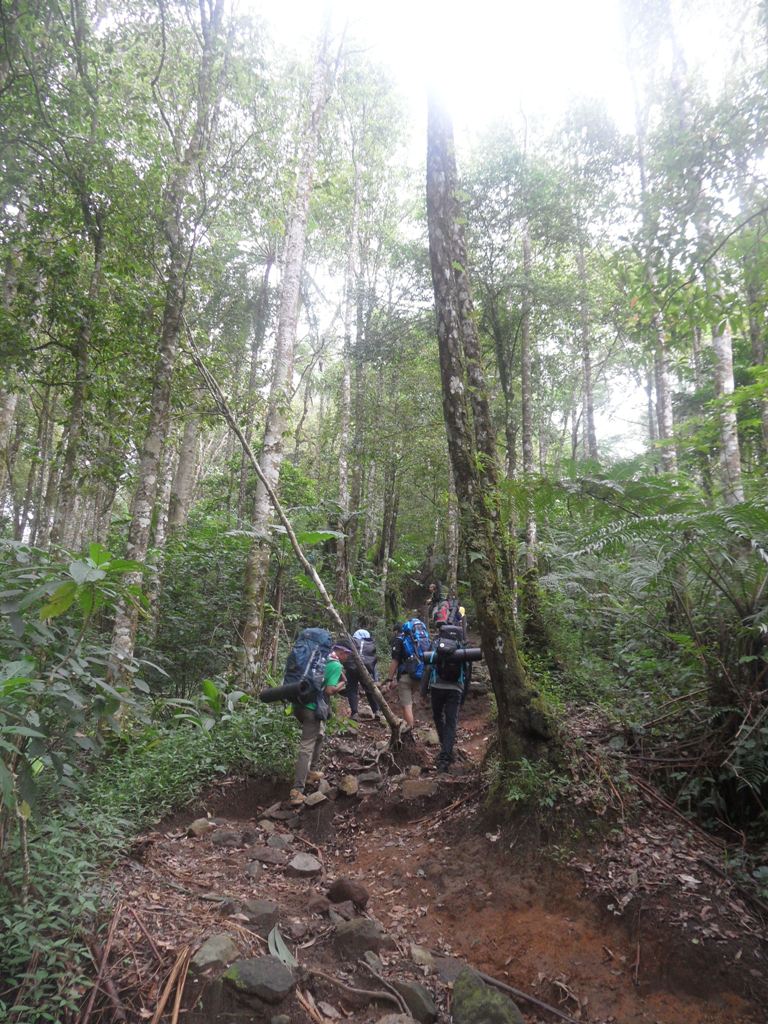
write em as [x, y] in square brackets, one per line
[312, 728]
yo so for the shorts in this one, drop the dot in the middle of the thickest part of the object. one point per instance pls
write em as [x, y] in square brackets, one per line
[406, 684]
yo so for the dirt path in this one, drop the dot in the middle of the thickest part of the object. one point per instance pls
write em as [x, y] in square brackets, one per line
[440, 876]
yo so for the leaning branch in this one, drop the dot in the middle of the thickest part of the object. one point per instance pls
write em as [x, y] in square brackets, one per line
[370, 687]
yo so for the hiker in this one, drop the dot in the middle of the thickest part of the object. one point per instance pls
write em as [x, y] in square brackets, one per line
[312, 716]
[407, 666]
[367, 648]
[449, 612]
[449, 679]
[433, 600]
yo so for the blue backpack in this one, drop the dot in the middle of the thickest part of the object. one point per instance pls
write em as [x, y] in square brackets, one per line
[416, 642]
[306, 665]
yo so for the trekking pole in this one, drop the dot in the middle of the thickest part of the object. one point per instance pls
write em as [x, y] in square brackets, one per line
[395, 724]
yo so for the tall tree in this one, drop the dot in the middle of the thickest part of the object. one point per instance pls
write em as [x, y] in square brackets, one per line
[522, 724]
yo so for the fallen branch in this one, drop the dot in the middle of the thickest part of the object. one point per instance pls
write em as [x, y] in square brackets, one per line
[182, 963]
[360, 993]
[145, 933]
[180, 987]
[370, 687]
[86, 1015]
[655, 795]
[390, 988]
[519, 994]
[444, 811]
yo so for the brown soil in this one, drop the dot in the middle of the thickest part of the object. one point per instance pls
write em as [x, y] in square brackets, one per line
[441, 874]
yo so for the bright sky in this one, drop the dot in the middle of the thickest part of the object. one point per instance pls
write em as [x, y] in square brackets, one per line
[494, 59]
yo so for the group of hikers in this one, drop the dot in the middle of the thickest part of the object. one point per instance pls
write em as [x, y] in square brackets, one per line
[439, 669]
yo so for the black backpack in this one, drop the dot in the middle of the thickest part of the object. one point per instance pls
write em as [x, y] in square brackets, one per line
[450, 639]
[367, 649]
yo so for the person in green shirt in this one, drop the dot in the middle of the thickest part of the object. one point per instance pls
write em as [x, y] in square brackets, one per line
[313, 728]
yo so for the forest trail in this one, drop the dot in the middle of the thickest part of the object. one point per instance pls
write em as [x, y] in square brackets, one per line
[448, 886]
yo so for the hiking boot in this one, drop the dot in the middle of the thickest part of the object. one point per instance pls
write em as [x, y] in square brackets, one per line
[354, 718]
[315, 776]
[297, 798]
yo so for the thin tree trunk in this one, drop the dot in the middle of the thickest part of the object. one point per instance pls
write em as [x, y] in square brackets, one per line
[665, 419]
[179, 250]
[526, 394]
[521, 721]
[759, 349]
[182, 485]
[64, 523]
[159, 536]
[342, 596]
[730, 454]
[260, 316]
[588, 403]
[257, 568]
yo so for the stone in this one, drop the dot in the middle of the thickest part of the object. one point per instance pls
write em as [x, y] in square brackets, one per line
[296, 930]
[278, 842]
[414, 771]
[251, 836]
[345, 749]
[396, 1018]
[370, 778]
[324, 787]
[215, 953]
[254, 870]
[348, 889]
[227, 838]
[304, 865]
[366, 713]
[262, 915]
[430, 738]
[422, 957]
[448, 968]
[199, 827]
[228, 906]
[373, 961]
[264, 976]
[418, 999]
[267, 826]
[315, 798]
[348, 785]
[279, 813]
[354, 937]
[345, 911]
[317, 904]
[474, 1002]
[280, 1018]
[417, 789]
[269, 856]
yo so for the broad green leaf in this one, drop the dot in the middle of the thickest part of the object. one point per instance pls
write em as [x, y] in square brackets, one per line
[82, 572]
[60, 601]
[278, 948]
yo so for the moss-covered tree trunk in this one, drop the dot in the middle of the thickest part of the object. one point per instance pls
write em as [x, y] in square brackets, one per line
[522, 723]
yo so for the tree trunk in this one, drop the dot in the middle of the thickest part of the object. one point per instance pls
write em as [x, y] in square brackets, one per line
[453, 535]
[159, 536]
[588, 402]
[260, 316]
[64, 523]
[182, 485]
[179, 254]
[526, 394]
[257, 568]
[522, 723]
[665, 420]
[342, 596]
[759, 349]
[730, 454]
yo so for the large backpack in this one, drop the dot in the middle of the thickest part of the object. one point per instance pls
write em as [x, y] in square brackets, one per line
[451, 639]
[306, 664]
[416, 642]
[367, 649]
[448, 613]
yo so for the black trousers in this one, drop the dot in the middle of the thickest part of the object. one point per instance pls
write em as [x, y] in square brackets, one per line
[445, 711]
[353, 684]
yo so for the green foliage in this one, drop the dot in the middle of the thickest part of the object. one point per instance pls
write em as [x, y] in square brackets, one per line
[534, 784]
[44, 931]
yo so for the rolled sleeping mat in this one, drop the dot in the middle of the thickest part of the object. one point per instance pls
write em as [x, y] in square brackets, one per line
[292, 691]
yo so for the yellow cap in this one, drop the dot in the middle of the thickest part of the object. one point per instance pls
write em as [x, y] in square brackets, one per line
[461, 611]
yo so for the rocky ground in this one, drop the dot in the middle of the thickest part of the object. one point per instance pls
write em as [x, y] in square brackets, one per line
[395, 896]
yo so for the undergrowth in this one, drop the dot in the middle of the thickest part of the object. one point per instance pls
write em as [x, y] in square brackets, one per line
[49, 907]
